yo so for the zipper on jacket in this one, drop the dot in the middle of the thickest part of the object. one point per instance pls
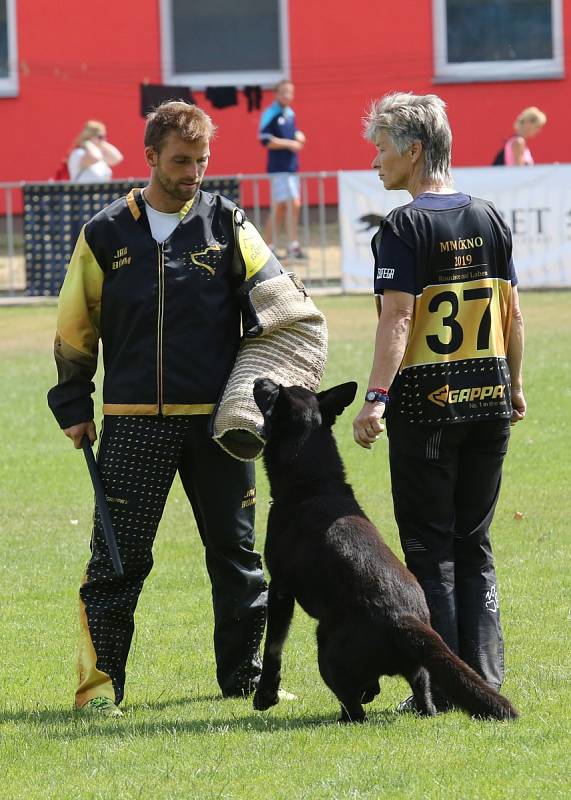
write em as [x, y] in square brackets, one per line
[160, 319]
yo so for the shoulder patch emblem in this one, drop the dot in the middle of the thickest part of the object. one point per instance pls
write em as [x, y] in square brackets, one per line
[254, 250]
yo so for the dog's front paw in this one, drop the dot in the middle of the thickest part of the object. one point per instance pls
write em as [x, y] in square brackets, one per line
[265, 698]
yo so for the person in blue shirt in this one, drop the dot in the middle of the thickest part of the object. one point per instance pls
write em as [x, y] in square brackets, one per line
[278, 132]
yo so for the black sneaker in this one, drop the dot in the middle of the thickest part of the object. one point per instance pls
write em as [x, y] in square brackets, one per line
[407, 706]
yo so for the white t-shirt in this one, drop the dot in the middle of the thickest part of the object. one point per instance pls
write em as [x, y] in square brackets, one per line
[94, 173]
[162, 224]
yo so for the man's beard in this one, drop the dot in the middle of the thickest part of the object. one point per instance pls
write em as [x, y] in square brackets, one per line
[174, 189]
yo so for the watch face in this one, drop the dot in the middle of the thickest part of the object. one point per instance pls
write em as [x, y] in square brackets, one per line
[371, 396]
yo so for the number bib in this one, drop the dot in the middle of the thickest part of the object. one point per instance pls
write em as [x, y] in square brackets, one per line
[454, 367]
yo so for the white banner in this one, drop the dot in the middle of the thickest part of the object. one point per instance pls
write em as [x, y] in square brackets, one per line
[534, 201]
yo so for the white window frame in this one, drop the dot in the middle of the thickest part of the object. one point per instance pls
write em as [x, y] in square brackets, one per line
[9, 86]
[477, 71]
[200, 80]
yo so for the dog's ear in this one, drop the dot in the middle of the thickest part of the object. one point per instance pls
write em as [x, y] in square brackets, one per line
[333, 401]
[266, 392]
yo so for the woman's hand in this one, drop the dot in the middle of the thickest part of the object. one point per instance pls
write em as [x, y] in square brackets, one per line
[368, 424]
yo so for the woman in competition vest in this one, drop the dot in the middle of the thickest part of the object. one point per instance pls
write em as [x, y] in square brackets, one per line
[446, 373]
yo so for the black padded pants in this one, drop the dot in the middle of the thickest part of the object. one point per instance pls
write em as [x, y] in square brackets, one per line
[138, 459]
[445, 484]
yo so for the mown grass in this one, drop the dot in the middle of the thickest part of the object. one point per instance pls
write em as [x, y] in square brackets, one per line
[179, 739]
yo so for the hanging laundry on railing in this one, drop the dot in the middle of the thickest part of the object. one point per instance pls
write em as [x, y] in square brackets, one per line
[222, 96]
[253, 95]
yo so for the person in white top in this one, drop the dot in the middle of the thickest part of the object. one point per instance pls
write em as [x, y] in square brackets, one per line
[93, 157]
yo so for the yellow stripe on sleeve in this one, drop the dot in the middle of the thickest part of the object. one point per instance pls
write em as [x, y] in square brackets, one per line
[254, 250]
[80, 300]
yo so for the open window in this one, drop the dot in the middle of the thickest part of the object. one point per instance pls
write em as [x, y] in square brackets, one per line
[497, 40]
[224, 42]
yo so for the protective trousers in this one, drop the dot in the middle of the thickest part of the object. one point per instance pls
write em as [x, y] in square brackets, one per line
[138, 460]
[445, 484]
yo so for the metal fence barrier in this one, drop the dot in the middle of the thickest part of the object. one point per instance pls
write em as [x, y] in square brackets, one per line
[40, 221]
[54, 215]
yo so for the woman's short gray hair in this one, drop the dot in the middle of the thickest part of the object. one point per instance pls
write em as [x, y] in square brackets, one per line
[407, 117]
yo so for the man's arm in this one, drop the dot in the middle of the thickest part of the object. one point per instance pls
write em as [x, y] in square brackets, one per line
[515, 359]
[77, 432]
[393, 330]
[253, 263]
[76, 344]
[274, 143]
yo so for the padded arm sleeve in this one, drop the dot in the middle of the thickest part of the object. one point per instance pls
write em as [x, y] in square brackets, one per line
[290, 347]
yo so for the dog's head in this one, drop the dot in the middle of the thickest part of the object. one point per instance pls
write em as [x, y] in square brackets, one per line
[292, 412]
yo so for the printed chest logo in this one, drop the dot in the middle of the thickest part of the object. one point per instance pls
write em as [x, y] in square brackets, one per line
[121, 258]
[205, 260]
[249, 498]
[445, 395]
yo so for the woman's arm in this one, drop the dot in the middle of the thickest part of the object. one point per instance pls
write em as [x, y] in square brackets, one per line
[91, 156]
[393, 330]
[518, 150]
[515, 359]
[111, 154]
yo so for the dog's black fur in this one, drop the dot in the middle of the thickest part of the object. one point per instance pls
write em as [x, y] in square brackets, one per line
[322, 551]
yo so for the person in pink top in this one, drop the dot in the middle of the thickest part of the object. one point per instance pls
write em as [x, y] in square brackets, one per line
[515, 152]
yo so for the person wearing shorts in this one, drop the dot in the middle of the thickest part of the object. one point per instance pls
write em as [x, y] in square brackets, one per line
[279, 134]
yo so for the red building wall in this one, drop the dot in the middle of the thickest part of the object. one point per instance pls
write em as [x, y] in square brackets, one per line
[346, 59]
[82, 61]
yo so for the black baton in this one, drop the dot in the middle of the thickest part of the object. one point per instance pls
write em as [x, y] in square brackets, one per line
[102, 506]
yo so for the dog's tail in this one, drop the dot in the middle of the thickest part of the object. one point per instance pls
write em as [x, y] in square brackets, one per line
[464, 687]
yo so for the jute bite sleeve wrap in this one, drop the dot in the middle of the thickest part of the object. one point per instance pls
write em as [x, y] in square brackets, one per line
[285, 339]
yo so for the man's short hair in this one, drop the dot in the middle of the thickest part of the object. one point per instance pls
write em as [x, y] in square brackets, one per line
[187, 121]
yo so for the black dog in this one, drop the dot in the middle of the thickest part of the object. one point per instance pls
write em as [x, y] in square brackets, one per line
[322, 551]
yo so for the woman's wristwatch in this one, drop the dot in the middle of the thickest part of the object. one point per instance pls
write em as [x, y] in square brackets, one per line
[377, 395]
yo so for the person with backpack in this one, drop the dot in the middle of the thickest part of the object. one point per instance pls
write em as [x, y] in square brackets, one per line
[515, 152]
[93, 157]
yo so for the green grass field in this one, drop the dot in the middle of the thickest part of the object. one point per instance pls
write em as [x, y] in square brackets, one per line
[178, 738]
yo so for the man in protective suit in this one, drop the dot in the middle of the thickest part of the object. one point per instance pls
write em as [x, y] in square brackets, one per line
[163, 278]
